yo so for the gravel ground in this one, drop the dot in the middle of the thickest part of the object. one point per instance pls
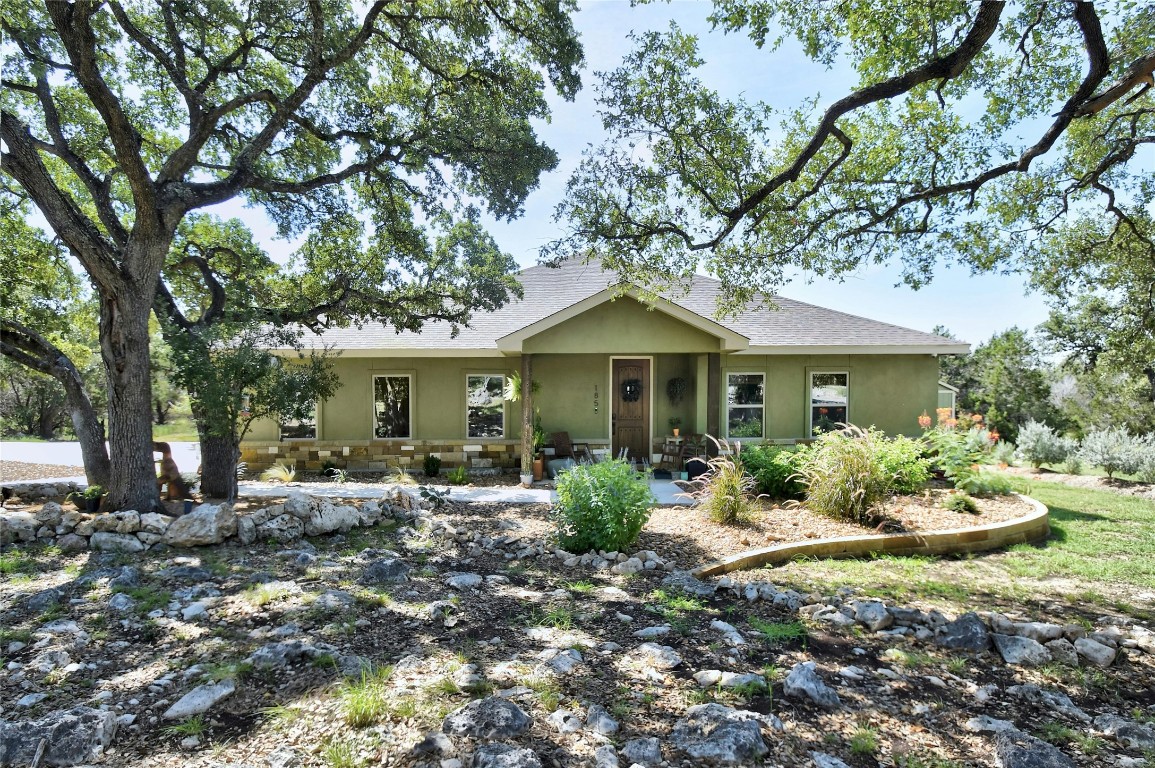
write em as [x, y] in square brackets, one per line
[16, 471]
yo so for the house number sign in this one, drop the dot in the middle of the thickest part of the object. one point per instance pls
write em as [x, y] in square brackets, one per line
[595, 398]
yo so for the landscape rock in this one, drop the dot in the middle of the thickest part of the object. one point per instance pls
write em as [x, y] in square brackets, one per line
[283, 528]
[565, 721]
[70, 542]
[200, 699]
[600, 721]
[126, 521]
[1129, 733]
[17, 527]
[1049, 701]
[504, 756]
[1016, 749]
[659, 656]
[1021, 650]
[1063, 652]
[872, 614]
[115, 542]
[121, 603]
[606, 756]
[1097, 653]
[489, 718]
[645, 751]
[1040, 632]
[804, 682]
[966, 633]
[154, 522]
[464, 580]
[51, 514]
[44, 599]
[718, 734]
[207, 524]
[75, 736]
[823, 760]
[385, 571]
[327, 517]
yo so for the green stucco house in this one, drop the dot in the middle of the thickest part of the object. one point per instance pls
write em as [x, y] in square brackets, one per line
[612, 372]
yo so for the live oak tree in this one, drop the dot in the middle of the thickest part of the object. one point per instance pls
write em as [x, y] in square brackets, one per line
[973, 129]
[120, 119]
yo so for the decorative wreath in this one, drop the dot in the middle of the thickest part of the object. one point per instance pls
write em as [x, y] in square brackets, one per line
[631, 390]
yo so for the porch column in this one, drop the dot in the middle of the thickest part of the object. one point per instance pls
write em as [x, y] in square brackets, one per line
[526, 419]
[713, 398]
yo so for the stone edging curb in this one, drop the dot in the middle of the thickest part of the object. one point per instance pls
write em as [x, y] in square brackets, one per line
[1032, 527]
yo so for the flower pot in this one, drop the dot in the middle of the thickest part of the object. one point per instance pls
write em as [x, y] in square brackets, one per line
[92, 506]
[538, 468]
[677, 431]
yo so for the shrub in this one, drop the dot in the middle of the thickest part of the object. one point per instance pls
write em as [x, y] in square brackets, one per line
[724, 489]
[902, 461]
[1039, 445]
[961, 502]
[431, 465]
[601, 506]
[458, 476]
[1003, 453]
[1115, 450]
[1073, 465]
[775, 471]
[843, 475]
[1146, 468]
[978, 482]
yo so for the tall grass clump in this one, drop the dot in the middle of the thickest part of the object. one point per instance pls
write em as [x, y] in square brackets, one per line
[844, 476]
[279, 473]
[724, 490]
[601, 506]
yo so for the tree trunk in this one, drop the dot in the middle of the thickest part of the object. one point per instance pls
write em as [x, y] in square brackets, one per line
[124, 343]
[219, 456]
[89, 432]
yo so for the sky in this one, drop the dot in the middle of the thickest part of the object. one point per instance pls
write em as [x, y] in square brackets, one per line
[972, 307]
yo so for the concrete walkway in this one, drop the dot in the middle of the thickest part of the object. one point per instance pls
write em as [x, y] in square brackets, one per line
[668, 494]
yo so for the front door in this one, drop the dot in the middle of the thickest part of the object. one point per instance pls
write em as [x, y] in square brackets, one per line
[631, 410]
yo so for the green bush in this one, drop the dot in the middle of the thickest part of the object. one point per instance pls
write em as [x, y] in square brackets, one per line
[432, 465]
[1038, 444]
[902, 460]
[1003, 453]
[775, 471]
[1115, 450]
[1146, 468]
[978, 482]
[843, 474]
[724, 490]
[961, 502]
[601, 506]
[457, 476]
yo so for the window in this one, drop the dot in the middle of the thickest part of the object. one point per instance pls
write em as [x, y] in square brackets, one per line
[485, 405]
[301, 429]
[745, 400]
[392, 414]
[829, 396]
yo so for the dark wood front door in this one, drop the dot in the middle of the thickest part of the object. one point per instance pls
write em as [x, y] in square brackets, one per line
[631, 414]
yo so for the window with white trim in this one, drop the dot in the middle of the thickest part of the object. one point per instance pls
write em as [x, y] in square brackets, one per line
[392, 406]
[829, 401]
[485, 405]
[745, 404]
[301, 429]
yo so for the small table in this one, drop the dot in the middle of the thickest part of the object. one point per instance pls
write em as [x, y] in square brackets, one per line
[672, 453]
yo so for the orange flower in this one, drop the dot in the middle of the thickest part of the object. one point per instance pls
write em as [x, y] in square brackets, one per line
[994, 436]
[924, 421]
[977, 418]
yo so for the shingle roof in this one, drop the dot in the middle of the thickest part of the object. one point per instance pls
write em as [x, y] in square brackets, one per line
[547, 290]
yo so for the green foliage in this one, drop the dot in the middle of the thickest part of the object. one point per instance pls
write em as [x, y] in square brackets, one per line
[775, 470]
[980, 482]
[436, 496]
[1038, 444]
[365, 701]
[777, 632]
[724, 490]
[601, 506]
[961, 502]
[902, 460]
[1115, 450]
[843, 475]
[960, 451]
[904, 164]
[458, 476]
[1003, 453]
[279, 473]
[864, 741]
[432, 465]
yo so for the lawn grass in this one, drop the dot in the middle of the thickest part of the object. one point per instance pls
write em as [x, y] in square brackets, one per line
[1101, 550]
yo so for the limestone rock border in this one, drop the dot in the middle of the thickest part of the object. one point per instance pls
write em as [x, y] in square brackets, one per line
[1034, 526]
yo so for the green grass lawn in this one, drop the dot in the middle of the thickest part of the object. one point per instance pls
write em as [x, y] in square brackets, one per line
[1101, 552]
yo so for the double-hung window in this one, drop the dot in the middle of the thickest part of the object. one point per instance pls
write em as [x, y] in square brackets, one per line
[829, 401]
[485, 405]
[301, 429]
[745, 404]
[393, 406]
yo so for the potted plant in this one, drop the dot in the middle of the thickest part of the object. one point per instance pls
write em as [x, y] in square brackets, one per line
[91, 496]
[675, 423]
[538, 450]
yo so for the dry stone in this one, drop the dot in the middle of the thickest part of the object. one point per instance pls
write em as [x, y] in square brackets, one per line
[489, 718]
[115, 542]
[207, 524]
[73, 736]
[717, 734]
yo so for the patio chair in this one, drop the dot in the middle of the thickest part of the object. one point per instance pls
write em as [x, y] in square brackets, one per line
[693, 448]
[564, 448]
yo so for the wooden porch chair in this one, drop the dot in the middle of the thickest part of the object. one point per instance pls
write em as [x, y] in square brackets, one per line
[565, 448]
[694, 447]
